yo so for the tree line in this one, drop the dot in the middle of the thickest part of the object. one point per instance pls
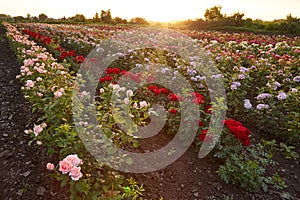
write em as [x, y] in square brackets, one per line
[214, 19]
[104, 17]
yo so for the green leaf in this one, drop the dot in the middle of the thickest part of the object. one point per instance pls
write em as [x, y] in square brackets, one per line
[64, 182]
[83, 187]
[105, 188]
[135, 143]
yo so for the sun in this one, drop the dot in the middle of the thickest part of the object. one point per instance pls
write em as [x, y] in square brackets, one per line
[160, 10]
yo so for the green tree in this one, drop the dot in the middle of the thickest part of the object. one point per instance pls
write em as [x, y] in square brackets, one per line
[213, 13]
[139, 20]
[106, 16]
[5, 17]
[78, 18]
[119, 20]
[42, 17]
[96, 18]
[290, 18]
[237, 18]
[19, 18]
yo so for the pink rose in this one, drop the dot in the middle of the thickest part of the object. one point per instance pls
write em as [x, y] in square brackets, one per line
[29, 84]
[50, 166]
[143, 104]
[74, 160]
[65, 166]
[75, 173]
[37, 130]
[57, 94]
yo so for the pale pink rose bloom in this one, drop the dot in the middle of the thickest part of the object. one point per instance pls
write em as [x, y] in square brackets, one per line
[50, 166]
[59, 66]
[74, 159]
[29, 84]
[40, 70]
[28, 62]
[135, 105]
[65, 166]
[75, 173]
[143, 104]
[53, 88]
[58, 94]
[129, 93]
[40, 94]
[84, 93]
[39, 79]
[126, 100]
[101, 90]
[37, 130]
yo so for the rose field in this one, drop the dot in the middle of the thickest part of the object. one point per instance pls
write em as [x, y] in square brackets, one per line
[238, 110]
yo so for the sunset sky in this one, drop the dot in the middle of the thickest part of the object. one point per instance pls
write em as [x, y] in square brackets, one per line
[152, 10]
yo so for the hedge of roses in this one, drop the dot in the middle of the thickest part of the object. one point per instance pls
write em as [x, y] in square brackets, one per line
[48, 87]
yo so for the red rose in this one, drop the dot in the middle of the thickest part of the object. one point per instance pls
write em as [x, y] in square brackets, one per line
[173, 111]
[123, 72]
[208, 109]
[246, 142]
[106, 78]
[164, 90]
[198, 100]
[203, 135]
[174, 97]
[154, 89]
[200, 123]
[79, 59]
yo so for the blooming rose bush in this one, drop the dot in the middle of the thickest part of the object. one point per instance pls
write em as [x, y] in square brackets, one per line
[69, 165]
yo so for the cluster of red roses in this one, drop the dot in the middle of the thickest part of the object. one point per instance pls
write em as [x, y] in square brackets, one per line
[48, 40]
[238, 130]
[114, 71]
[44, 39]
[64, 54]
[117, 71]
[111, 71]
[105, 78]
[156, 90]
[197, 97]
[71, 54]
